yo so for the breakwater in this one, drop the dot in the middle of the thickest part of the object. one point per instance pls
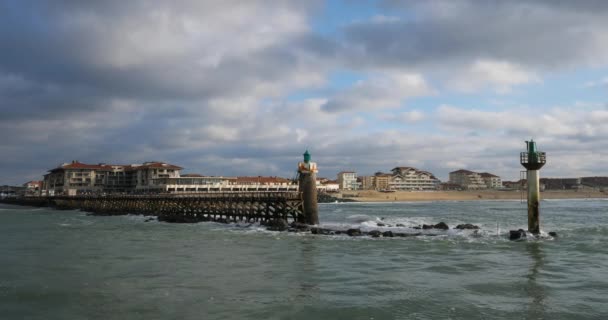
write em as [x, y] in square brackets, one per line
[226, 207]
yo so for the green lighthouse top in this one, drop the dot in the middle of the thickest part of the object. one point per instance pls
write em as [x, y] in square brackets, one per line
[306, 156]
[532, 159]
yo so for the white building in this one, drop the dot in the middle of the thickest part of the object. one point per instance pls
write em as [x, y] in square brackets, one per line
[491, 181]
[347, 180]
[81, 178]
[408, 178]
[471, 180]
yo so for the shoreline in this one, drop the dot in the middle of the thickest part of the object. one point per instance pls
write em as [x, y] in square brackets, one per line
[417, 196]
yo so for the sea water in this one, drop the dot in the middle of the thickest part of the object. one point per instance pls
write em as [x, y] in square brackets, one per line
[69, 265]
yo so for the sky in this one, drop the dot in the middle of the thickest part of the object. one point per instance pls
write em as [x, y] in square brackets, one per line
[230, 88]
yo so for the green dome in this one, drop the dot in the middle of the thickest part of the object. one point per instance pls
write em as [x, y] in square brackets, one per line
[306, 156]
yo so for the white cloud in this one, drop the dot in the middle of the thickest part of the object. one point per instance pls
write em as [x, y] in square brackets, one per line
[597, 83]
[382, 91]
[412, 116]
[499, 76]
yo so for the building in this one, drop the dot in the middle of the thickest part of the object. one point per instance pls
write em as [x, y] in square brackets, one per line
[32, 188]
[382, 181]
[80, 178]
[326, 185]
[367, 182]
[409, 178]
[467, 179]
[492, 181]
[199, 183]
[347, 180]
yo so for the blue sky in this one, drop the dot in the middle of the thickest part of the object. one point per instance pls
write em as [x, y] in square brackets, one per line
[243, 88]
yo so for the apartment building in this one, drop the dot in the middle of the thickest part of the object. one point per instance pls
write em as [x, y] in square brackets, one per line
[347, 180]
[409, 178]
[382, 180]
[81, 178]
[471, 180]
[492, 181]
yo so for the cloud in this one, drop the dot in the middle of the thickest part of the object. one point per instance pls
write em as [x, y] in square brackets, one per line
[410, 117]
[501, 76]
[379, 92]
[444, 34]
[597, 83]
[211, 85]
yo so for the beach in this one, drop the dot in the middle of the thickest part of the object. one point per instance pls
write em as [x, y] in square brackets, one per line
[377, 196]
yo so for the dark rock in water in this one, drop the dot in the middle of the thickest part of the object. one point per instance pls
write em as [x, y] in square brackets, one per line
[517, 234]
[354, 232]
[375, 233]
[466, 226]
[300, 226]
[379, 224]
[277, 225]
[441, 225]
[400, 225]
[326, 198]
[322, 231]
[387, 234]
[553, 234]
[417, 227]
[427, 226]
[150, 219]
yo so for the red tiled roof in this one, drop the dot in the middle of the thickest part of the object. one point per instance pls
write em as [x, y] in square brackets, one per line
[488, 175]
[157, 165]
[103, 166]
[35, 183]
[80, 165]
[463, 171]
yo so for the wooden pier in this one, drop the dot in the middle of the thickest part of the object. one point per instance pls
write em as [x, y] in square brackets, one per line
[195, 207]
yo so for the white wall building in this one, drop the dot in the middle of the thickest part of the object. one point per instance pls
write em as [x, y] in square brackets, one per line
[347, 180]
[408, 178]
[471, 180]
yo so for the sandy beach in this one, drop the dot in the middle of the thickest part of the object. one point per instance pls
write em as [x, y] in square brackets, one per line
[376, 196]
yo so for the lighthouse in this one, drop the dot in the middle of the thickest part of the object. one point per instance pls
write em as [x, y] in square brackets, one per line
[307, 183]
[533, 160]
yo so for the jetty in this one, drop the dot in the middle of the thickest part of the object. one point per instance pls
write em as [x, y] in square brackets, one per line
[195, 207]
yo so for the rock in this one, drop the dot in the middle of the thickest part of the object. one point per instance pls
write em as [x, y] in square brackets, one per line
[150, 219]
[300, 226]
[553, 234]
[354, 232]
[441, 225]
[277, 225]
[387, 234]
[466, 226]
[379, 224]
[427, 226]
[400, 225]
[417, 227]
[375, 233]
[517, 234]
[315, 230]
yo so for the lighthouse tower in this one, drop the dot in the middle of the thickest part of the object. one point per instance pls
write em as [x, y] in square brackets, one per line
[307, 172]
[533, 160]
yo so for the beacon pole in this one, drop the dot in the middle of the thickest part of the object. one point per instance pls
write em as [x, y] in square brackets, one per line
[533, 160]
